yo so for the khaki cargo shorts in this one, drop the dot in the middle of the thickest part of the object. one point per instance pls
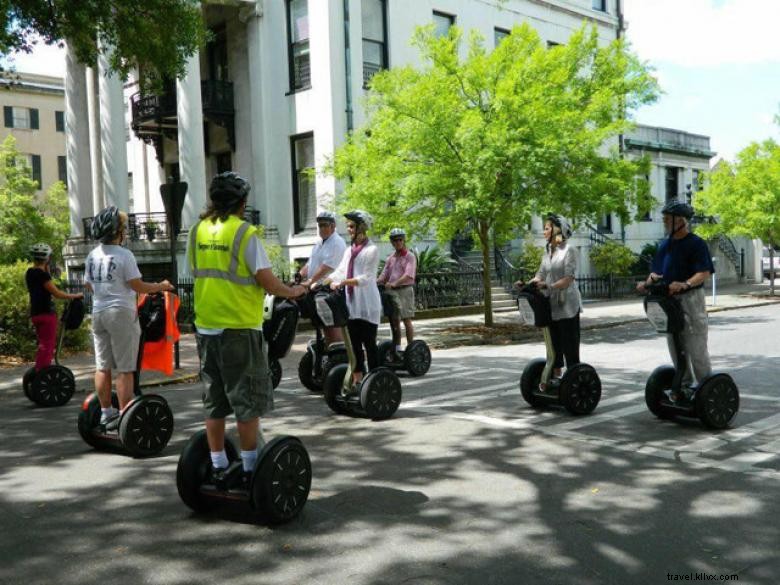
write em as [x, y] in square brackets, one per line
[402, 300]
[234, 370]
[116, 335]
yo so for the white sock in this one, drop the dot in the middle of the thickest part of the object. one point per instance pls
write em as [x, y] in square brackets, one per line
[110, 411]
[219, 459]
[249, 458]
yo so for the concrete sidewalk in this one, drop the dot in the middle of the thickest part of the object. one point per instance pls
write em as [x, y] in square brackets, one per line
[438, 333]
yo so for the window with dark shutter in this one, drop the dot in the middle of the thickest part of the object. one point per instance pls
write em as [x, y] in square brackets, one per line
[62, 169]
[59, 121]
[34, 119]
[8, 114]
[35, 159]
[299, 61]
[304, 194]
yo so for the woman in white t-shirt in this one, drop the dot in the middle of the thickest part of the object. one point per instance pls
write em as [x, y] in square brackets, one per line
[357, 274]
[111, 272]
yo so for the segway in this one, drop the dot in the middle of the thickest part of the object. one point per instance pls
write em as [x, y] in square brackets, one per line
[280, 320]
[378, 395]
[319, 357]
[146, 424]
[55, 385]
[415, 359]
[579, 390]
[278, 487]
[714, 401]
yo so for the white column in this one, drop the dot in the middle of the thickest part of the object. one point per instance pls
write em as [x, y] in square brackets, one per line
[254, 64]
[77, 143]
[112, 136]
[192, 158]
[95, 156]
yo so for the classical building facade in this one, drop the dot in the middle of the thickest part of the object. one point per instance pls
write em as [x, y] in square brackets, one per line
[34, 113]
[276, 91]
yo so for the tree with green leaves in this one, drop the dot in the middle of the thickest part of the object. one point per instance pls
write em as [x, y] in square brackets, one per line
[494, 137]
[154, 36]
[24, 218]
[744, 197]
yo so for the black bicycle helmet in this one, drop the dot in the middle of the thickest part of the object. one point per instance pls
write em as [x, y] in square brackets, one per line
[678, 207]
[360, 217]
[561, 223]
[228, 188]
[105, 225]
[40, 251]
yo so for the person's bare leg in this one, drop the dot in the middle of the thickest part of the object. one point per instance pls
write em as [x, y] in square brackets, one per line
[103, 387]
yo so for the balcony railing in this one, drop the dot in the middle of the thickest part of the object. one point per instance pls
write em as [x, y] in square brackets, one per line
[217, 96]
[153, 226]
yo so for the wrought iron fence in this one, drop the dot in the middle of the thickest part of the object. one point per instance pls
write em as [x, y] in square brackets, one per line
[448, 289]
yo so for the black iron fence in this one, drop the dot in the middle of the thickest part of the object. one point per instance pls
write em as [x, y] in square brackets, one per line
[608, 287]
[448, 289]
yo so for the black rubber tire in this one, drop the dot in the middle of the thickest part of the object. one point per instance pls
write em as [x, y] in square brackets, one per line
[27, 379]
[417, 358]
[380, 393]
[89, 418]
[660, 380]
[580, 390]
[305, 368]
[383, 351]
[53, 386]
[282, 480]
[193, 469]
[331, 388]
[529, 381]
[717, 401]
[276, 373]
[332, 359]
[146, 426]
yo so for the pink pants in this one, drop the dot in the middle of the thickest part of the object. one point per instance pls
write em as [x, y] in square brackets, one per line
[46, 330]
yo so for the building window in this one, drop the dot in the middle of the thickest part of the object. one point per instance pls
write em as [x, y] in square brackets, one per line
[59, 121]
[217, 53]
[23, 118]
[605, 224]
[304, 195]
[62, 169]
[499, 34]
[442, 22]
[374, 38]
[298, 39]
[600, 5]
[34, 164]
[672, 182]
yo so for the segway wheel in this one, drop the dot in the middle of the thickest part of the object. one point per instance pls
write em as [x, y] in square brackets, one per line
[332, 359]
[580, 389]
[194, 468]
[27, 379]
[380, 394]
[717, 401]
[529, 381]
[331, 388]
[53, 386]
[146, 426]
[305, 369]
[417, 358]
[282, 480]
[383, 352]
[276, 373]
[89, 418]
[660, 380]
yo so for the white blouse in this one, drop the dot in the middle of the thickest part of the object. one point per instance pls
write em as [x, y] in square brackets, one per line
[364, 303]
[565, 303]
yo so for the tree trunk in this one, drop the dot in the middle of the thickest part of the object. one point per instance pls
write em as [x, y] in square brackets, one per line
[772, 273]
[484, 241]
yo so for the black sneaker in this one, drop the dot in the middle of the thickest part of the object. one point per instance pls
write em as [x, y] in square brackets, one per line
[110, 422]
[230, 477]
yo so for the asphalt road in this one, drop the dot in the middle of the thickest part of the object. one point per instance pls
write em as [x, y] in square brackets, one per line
[466, 484]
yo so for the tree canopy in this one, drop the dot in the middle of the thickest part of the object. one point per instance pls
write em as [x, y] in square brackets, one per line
[744, 196]
[154, 36]
[26, 219]
[494, 137]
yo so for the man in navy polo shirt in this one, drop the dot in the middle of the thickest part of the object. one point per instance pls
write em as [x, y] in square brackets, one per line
[684, 262]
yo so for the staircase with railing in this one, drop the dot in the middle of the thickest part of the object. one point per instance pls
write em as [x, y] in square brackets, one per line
[729, 250]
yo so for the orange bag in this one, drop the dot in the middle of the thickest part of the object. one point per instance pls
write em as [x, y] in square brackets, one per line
[158, 355]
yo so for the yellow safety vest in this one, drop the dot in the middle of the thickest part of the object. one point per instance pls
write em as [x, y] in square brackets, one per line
[226, 293]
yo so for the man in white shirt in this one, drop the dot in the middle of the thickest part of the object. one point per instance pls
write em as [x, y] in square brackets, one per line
[325, 257]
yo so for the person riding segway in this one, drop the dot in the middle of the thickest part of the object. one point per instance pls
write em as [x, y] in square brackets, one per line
[138, 424]
[675, 304]
[355, 306]
[557, 314]
[232, 275]
[327, 348]
[46, 384]
[397, 289]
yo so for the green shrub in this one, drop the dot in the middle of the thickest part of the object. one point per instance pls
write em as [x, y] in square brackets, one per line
[434, 259]
[612, 258]
[17, 336]
[529, 258]
[645, 258]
